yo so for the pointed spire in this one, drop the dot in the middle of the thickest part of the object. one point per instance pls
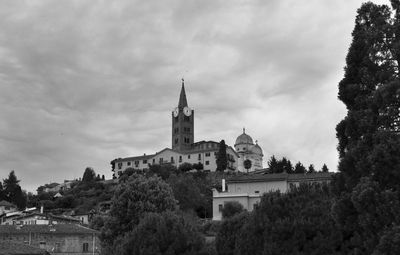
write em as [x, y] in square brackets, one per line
[182, 98]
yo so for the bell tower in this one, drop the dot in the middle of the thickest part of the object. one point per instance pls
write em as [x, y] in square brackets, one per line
[182, 123]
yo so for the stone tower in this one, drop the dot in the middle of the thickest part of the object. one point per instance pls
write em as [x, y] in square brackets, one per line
[182, 124]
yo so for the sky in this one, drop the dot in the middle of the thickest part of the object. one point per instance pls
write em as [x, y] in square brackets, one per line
[83, 82]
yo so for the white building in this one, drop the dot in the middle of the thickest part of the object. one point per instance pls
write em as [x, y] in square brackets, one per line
[248, 189]
[247, 150]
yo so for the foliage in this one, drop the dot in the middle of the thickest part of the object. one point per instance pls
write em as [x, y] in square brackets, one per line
[163, 171]
[311, 169]
[132, 200]
[231, 208]
[228, 235]
[369, 143]
[13, 192]
[185, 167]
[299, 168]
[247, 164]
[222, 159]
[389, 243]
[89, 175]
[364, 214]
[324, 169]
[294, 223]
[162, 233]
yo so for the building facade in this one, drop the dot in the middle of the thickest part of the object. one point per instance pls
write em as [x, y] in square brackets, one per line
[248, 189]
[61, 239]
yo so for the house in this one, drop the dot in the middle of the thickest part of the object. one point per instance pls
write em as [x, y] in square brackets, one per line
[6, 207]
[248, 189]
[12, 248]
[56, 239]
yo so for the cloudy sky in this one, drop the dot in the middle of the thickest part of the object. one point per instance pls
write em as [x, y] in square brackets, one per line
[83, 82]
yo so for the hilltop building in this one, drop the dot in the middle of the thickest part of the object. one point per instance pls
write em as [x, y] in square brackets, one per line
[184, 149]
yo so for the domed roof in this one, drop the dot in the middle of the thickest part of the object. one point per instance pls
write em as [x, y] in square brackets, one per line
[256, 149]
[244, 139]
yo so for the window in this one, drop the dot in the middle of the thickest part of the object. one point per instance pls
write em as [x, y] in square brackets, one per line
[161, 160]
[189, 156]
[220, 207]
[172, 159]
[119, 165]
[128, 163]
[199, 156]
[144, 161]
[257, 192]
[180, 159]
[85, 247]
[207, 154]
[154, 160]
[207, 162]
[176, 140]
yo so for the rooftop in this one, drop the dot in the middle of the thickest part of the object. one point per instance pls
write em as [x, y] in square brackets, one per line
[260, 176]
[54, 229]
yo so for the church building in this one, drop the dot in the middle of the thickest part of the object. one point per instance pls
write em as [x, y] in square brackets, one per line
[184, 149]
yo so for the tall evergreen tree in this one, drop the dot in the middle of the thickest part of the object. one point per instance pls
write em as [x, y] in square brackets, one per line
[222, 159]
[13, 192]
[370, 90]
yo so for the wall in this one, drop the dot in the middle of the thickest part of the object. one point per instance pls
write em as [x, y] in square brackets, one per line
[60, 244]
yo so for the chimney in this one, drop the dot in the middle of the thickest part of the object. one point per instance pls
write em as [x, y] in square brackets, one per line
[41, 209]
[223, 185]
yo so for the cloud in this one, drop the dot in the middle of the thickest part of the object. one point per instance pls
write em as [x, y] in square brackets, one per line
[83, 82]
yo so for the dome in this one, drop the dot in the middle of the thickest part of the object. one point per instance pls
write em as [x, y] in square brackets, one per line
[256, 149]
[244, 139]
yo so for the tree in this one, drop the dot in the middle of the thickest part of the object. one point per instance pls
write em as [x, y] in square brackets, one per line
[185, 167]
[297, 222]
[299, 168]
[89, 175]
[13, 191]
[247, 164]
[324, 169]
[222, 159]
[231, 208]
[132, 200]
[311, 169]
[273, 164]
[162, 233]
[228, 235]
[370, 89]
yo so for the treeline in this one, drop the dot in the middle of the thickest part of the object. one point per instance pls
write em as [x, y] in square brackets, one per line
[284, 165]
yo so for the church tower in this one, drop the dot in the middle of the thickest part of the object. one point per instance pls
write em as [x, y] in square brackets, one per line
[182, 124]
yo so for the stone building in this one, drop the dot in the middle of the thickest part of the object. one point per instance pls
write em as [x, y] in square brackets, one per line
[247, 150]
[248, 189]
[61, 239]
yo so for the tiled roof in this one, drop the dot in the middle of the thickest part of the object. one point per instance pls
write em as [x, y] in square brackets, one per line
[6, 203]
[134, 158]
[263, 177]
[54, 229]
[10, 248]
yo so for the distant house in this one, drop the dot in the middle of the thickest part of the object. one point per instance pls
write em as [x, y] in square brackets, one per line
[56, 239]
[6, 207]
[11, 248]
[248, 189]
